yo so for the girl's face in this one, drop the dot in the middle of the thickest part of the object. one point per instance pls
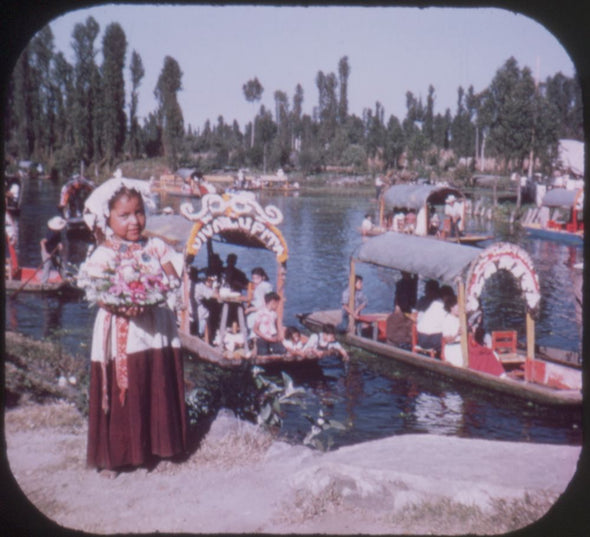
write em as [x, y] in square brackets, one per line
[256, 279]
[127, 217]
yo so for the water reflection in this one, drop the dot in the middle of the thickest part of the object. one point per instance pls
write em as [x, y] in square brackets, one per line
[372, 396]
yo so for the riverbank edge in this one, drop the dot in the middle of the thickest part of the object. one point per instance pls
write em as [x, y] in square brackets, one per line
[402, 484]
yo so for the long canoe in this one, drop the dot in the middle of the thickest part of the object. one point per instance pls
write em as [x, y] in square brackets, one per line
[28, 281]
[519, 388]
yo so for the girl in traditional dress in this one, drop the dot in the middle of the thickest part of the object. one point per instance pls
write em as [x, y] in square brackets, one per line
[137, 411]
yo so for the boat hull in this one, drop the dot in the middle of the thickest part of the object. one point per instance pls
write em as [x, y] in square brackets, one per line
[545, 394]
[573, 239]
[206, 352]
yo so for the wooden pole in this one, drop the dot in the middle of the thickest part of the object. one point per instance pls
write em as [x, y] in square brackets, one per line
[351, 293]
[530, 346]
[281, 272]
[463, 324]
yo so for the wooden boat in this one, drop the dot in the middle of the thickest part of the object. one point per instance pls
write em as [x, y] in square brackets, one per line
[559, 218]
[533, 374]
[28, 280]
[235, 218]
[71, 201]
[418, 203]
[184, 182]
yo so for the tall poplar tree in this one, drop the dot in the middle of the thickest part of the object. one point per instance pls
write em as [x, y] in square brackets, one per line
[114, 46]
[253, 90]
[137, 73]
[87, 80]
[169, 111]
[343, 74]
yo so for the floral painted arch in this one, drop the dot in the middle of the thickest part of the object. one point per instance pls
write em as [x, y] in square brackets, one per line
[503, 256]
[238, 218]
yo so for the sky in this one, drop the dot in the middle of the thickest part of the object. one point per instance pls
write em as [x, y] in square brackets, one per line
[390, 50]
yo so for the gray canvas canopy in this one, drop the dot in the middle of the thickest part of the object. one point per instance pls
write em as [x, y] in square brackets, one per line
[171, 228]
[560, 197]
[413, 196]
[429, 257]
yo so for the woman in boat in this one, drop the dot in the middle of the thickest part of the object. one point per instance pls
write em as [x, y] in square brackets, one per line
[429, 323]
[137, 412]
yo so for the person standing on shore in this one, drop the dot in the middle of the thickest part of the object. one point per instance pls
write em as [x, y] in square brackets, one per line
[137, 412]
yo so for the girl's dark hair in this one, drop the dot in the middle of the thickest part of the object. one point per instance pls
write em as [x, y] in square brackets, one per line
[271, 296]
[449, 301]
[260, 272]
[125, 191]
[290, 331]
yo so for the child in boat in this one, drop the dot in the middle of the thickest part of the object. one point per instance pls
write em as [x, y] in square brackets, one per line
[325, 344]
[136, 412]
[205, 293]
[260, 288]
[266, 327]
[294, 342]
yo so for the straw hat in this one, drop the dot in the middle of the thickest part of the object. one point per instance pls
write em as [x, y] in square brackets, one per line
[451, 199]
[57, 223]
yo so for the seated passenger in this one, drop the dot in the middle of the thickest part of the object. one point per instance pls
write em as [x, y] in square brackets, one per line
[429, 323]
[294, 342]
[431, 292]
[398, 328]
[367, 224]
[451, 332]
[325, 344]
[266, 327]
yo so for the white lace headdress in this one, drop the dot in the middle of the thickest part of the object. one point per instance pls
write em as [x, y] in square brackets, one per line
[96, 207]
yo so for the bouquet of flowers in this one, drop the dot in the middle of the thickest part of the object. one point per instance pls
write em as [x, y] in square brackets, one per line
[127, 282]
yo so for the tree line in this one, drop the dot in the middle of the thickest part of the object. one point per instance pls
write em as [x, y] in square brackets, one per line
[63, 115]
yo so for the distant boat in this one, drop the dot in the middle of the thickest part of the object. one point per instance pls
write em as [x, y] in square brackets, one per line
[559, 218]
[20, 279]
[412, 209]
[71, 201]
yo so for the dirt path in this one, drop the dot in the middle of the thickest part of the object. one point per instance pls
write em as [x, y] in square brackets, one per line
[241, 481]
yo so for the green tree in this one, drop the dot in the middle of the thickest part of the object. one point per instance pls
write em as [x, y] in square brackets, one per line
[169, 111]
[462, 129]
[343, 74]
[253, 90]
[86, 89]
[114, 46]
[566, 96]
[137, 73]
[428, 127]
[394, 143]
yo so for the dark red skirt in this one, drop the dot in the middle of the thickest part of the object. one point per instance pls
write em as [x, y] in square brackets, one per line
[152, 421]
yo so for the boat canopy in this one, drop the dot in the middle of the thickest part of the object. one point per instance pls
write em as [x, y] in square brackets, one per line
[171, 228]
[560, 197]
[432, 258]
[415, 196]
[452, 263]
[236, 218]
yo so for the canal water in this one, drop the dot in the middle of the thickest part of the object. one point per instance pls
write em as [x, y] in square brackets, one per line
[372, 397]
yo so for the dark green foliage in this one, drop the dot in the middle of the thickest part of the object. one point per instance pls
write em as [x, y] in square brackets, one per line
[67, 115]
